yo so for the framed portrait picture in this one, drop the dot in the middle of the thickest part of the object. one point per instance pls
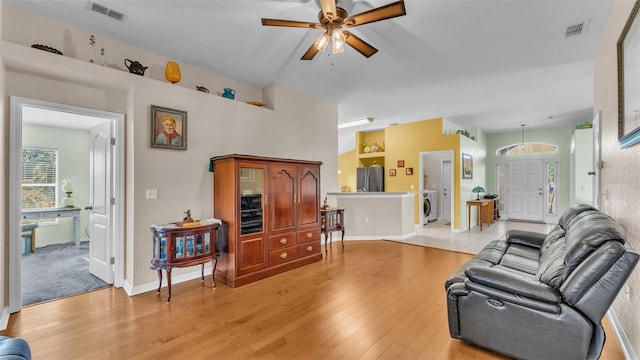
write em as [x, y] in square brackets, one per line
[409, 171]
[400, 163]
[467, 166]
[628, 48]
[168, 128]
[392, 172]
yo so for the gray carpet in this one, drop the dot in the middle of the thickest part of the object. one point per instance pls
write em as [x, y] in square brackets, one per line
[56, 271]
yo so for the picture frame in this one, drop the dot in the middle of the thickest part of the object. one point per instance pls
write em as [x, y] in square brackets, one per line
[409, 171]
[400, 163]
[628, 51]
[392, 172]
[467, 166]
[164, 138]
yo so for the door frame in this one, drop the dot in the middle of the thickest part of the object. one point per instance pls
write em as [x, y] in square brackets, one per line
[421, 165]
[15, 145]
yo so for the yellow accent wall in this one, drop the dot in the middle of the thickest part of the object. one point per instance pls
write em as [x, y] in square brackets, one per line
[406, 142]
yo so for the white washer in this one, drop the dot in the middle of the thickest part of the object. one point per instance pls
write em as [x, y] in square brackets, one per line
[430, 205]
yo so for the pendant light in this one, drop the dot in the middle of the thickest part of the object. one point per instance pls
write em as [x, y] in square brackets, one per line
[522, 144]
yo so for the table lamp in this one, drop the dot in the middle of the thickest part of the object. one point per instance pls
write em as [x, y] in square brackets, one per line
[68, 187]
[477, 190]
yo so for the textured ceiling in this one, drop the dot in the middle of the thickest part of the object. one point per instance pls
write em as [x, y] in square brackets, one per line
[490, 64]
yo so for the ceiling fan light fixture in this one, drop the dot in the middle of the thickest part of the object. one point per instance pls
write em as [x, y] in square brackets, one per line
[322, 42]
[338, 41]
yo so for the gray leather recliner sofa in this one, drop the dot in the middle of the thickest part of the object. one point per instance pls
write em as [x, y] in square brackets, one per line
[542, 296]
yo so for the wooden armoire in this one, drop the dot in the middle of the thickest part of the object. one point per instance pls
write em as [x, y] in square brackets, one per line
[270, 209]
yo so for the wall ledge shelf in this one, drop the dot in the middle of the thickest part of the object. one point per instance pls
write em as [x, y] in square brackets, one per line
[371, 155]
[28, 60]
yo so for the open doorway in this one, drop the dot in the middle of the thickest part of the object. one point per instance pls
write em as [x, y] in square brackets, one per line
[77, 146]
[436, 187]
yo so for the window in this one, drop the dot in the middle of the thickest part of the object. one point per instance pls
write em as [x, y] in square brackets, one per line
[552, 199]
[39, 177]
[501, 185]
[526, 148]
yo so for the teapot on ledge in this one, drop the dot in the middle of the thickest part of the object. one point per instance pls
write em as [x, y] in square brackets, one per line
[229, 93]
[135, 67]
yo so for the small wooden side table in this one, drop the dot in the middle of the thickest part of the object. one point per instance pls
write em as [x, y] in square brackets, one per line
[332, 219]
[480, 204]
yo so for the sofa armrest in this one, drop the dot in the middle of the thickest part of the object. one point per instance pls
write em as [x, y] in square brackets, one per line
[528, 238]
[513, 284]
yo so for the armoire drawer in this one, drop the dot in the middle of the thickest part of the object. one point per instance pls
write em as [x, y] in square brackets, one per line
[282, 256]
[308, 235]
[309, 249]
[282, 241]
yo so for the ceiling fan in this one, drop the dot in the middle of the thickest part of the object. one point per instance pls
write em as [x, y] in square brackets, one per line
[333, 18]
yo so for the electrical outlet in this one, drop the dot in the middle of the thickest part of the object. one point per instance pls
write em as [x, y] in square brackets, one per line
[366, 219]
[152, 194]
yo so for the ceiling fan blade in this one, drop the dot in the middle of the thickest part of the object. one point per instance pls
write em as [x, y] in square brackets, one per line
[311, 53]
[328, 8]
[382, 13]
[290, 23]
[362, 46]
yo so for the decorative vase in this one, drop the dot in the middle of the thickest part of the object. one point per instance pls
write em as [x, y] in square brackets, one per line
[172, 72]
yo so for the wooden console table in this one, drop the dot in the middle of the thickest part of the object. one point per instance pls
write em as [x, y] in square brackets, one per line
[183, 246]
[52, 213]
[332, 219]
[482, 205]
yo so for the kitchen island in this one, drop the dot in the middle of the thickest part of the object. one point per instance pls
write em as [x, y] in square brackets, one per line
[377, 215]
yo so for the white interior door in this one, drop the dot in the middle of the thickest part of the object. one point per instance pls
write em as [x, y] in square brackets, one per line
[447, 190]
[597, 161]
[100, 249]
[526, 195]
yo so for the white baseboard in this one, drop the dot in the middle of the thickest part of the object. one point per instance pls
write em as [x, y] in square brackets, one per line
[153, 286]
[4, 321]
[378, 237]
[623, 340]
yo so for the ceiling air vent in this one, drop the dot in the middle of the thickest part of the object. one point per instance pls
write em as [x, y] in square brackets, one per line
[106, 11]
[576, 29]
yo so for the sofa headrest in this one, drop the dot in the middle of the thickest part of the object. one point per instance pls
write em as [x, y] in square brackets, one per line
[571, 213]
[588, 230]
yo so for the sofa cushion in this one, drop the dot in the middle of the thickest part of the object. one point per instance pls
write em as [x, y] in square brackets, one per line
[489, 256]
[521, 258]
[551, 266]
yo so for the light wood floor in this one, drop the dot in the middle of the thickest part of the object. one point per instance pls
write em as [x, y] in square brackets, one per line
[377, 299]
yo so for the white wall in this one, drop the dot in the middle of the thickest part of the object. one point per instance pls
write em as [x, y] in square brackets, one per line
[298, 126]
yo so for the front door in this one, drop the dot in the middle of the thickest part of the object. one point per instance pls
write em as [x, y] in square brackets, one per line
[597, 161]
[100, 197]
[526, 179]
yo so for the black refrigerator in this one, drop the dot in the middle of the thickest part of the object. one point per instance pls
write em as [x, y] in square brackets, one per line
[370, 179]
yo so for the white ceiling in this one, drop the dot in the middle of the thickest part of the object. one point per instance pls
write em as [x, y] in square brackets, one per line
[490, 64]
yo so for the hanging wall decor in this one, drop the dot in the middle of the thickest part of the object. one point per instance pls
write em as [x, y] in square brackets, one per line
[467, 166]
[168, 128]
[628, 47]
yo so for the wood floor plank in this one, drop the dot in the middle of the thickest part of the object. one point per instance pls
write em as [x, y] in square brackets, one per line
[375, 299]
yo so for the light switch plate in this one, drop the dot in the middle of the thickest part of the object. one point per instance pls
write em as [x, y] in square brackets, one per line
[152, 194]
